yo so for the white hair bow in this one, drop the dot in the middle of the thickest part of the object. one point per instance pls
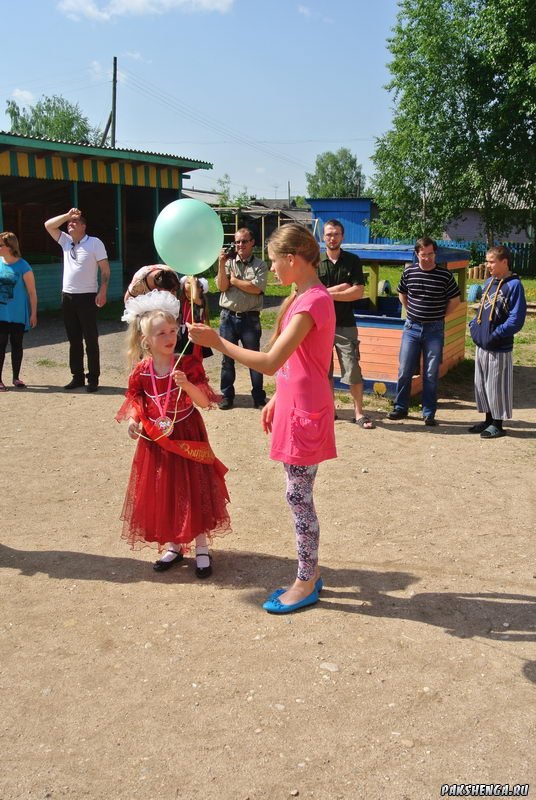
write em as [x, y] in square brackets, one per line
[152, 301]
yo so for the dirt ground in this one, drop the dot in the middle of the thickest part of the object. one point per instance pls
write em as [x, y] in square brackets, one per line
[416, 669]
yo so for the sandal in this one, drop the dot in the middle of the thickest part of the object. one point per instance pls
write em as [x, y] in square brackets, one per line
[479, 427]
[492, 432]
[19, 384]
[364, 422]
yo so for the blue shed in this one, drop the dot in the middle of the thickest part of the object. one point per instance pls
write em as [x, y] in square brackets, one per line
[353, 212]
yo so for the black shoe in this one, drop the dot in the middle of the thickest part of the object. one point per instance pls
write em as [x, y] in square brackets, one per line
[226, 404]
[204, 572]
[430, 421]
[76, 383]
[260, 403]
[92, 387]
[397, 414]
[162, 566]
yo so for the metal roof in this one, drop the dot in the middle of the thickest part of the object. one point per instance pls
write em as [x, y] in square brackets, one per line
[115, 153]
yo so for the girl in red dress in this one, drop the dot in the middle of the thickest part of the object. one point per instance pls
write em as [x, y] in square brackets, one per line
[176, 492]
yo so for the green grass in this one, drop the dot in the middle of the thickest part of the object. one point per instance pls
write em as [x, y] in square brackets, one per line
[48, 362]
[524, 343]
[529, 285]
[392, 274]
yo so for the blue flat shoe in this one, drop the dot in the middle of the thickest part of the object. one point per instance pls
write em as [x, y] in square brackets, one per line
[319, 585]
[274, 606]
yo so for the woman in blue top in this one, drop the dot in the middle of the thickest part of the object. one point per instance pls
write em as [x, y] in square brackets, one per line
[18, 303]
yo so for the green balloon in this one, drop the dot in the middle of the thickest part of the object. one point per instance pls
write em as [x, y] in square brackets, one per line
[188, 236]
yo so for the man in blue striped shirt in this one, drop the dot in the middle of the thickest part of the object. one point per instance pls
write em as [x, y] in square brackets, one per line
[428, 292]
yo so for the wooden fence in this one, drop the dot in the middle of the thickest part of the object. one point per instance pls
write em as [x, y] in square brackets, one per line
[524, 253]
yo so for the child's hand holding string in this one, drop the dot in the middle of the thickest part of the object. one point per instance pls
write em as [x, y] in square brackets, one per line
[195, 394]
[180, 379]
[133, 428]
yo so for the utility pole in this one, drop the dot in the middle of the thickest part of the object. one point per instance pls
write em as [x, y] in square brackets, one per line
[111, 118]
[288, 183]
[114, 99]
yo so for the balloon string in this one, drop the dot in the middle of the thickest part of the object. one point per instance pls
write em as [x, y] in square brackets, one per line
[187, 341]
[174, 367]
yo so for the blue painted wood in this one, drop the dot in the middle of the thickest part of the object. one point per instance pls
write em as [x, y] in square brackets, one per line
[398, 254]
[354, 213]
[388, 387]
[374, 321]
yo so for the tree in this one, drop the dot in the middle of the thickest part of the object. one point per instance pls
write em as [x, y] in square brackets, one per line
[224, 190]
[462, 77]
[225, 199]
[336, 175]
[242, 199]
[53, 118]
[509, 29]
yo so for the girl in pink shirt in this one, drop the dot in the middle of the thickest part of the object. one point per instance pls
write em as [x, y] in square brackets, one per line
[300, 414]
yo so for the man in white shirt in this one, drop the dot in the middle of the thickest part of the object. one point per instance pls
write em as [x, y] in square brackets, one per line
[83, 257]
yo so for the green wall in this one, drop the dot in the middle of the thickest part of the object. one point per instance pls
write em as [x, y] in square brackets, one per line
[48, 280]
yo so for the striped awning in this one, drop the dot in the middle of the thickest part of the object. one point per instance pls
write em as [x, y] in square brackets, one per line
[25, 157]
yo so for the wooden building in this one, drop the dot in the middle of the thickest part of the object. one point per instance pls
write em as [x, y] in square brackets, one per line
[121, 192]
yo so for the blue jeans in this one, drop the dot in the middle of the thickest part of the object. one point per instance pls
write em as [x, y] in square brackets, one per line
[245, 329]
[426, 338]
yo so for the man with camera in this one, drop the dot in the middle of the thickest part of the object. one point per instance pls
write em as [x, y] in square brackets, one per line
[241, 280]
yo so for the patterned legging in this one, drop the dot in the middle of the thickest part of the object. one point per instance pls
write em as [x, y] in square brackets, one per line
[300, 482]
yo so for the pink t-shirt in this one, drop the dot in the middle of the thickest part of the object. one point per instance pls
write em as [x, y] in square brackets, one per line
[303, 430]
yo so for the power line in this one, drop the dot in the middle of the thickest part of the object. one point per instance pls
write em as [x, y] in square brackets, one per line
[260, 141]
[146, 89]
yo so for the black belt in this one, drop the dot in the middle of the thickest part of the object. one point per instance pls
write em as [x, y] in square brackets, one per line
[240, 313]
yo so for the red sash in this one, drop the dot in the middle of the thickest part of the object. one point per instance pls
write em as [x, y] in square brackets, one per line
[195, 451]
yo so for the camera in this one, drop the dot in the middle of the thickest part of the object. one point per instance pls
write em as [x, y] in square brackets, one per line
[230, 251]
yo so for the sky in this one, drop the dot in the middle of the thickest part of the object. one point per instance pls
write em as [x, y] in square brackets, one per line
[258, 88]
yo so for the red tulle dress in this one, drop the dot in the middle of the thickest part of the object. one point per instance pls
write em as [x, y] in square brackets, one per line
[171, 498]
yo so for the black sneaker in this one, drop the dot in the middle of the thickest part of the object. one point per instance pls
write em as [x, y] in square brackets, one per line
[92, 387]
[430, 421]
[260, 403]
[226, 404]
[397, 414]
[76, 383]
